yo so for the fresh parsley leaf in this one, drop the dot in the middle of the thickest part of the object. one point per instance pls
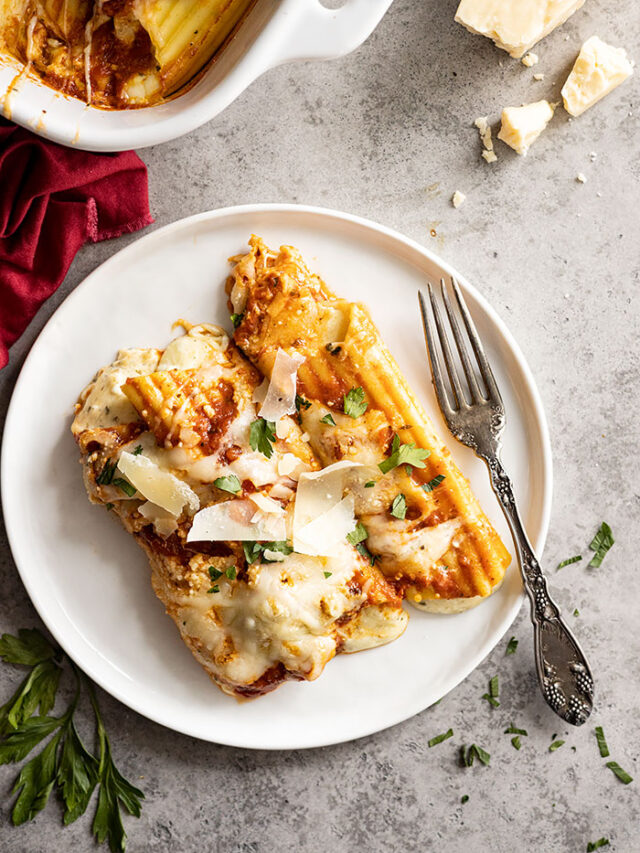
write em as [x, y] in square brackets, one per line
[601, 543]
[622, 775]
[370, 484]
[327, 574]
[125, 486]
[28, 648]
[77, 775]
[399, 507]
[467, 755]
[231, 573]
[255, 550]
[229, 483]
[602, 743]
[214, 573]
[432, 484]
[262, 436]
[464, 798]
[358, 534]
[515, 742]
[491, 700]
[35, 783]
[138, 450]
[214, 588]
[439, 738]
[576, 612]
[403, 454]
[512, 645]
[236, 319]
[252, 551]
[19, 743]
[556, 745]
[494, 687]
[362, 549]
[596, 845]
[301, 403]
[354, 403]
[512, 730]
[105, 477]
[569, 561]
[328, 419]
[39, 689]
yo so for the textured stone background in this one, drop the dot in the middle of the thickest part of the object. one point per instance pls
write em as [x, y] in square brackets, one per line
[386, 133]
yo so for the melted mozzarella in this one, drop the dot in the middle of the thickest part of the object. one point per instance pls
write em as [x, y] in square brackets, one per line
[191, 351]
[395, 538]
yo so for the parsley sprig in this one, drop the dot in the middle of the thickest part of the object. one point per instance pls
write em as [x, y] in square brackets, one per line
[262, 436]
[64, 762]
[354, 403]
[403, 454]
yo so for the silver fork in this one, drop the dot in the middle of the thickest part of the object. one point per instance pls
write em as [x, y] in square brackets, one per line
[477, 419]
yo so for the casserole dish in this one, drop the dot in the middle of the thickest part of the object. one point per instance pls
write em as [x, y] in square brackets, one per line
[274, 32]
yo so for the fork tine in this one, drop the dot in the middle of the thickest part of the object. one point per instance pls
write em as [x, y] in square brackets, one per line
[476, 394]
[476, 343]
[446, 351]
[434, 359]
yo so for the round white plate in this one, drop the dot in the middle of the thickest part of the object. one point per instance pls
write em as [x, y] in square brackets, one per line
[89, 580]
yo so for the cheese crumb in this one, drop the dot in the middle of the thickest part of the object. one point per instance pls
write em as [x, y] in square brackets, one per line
[538, 77]
[521, 126]
[484, 129]
[489, 156]
[581, 178]
[530, 59]
[598, 69]
[458, 199]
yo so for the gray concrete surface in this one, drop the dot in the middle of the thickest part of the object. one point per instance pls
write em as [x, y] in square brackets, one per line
[386, 133]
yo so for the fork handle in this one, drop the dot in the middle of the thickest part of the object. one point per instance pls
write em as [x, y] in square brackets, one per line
[563, 672]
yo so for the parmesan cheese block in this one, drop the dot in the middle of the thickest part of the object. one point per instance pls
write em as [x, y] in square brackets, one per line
[598, 69]
[521, 126]
[515, 25]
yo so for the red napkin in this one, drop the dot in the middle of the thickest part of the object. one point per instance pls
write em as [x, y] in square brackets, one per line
[52, 201]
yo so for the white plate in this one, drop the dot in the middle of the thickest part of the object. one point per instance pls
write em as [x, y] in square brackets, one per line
[89, 580]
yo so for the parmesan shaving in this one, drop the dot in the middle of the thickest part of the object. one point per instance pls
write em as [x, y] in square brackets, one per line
[281, 394]
[324, 536]
[319, 492]
[159, 487]
[266, 504]
[232, 521]
[274, 556]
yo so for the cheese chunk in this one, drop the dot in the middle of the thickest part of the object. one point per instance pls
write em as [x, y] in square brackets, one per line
[598, 69]
[521, 126]
[515, 25]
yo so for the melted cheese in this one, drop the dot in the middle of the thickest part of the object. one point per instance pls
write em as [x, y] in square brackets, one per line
[395, 537]
[191, 351]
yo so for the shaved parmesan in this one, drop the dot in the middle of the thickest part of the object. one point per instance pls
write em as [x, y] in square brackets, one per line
[158, 486]
[232, 521]
[164, 523]
[282, 491]
[266, 504]
[273, 556]
[260, 392]
[281, 395]
[326, 534]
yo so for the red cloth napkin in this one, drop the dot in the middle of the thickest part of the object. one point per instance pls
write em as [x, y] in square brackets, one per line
[52, 201]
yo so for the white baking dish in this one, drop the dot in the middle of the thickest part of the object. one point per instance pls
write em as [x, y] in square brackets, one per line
[274, 32]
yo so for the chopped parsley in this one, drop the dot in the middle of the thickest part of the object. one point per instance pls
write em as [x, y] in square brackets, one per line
[358, 534]
[236, 319]
[125, 486]
[231, 572]
[512, 645]
[556, 745]
[403, 454]
[431, 485]
[301, 403]
[399, 507]
[254, 551]
[328, 419]
[569, 561]
[262, 436]
[601, 543]
[439, 738]
[327, 574]
[109, 506]
[214, 573]
[464, 798]
[492, 695]
[229, 483]
[602, 743]
[512, 730]
[105, 476]
[370, 484]
[215, 588]
[469, 753]
[595, 845]
[515, 742]
[354, 403]
[138, 450]
[622, 775]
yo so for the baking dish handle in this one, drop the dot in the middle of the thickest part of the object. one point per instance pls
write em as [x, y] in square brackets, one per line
[318, 32]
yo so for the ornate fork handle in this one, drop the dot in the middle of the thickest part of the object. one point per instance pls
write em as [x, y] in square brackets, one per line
[563, 671]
